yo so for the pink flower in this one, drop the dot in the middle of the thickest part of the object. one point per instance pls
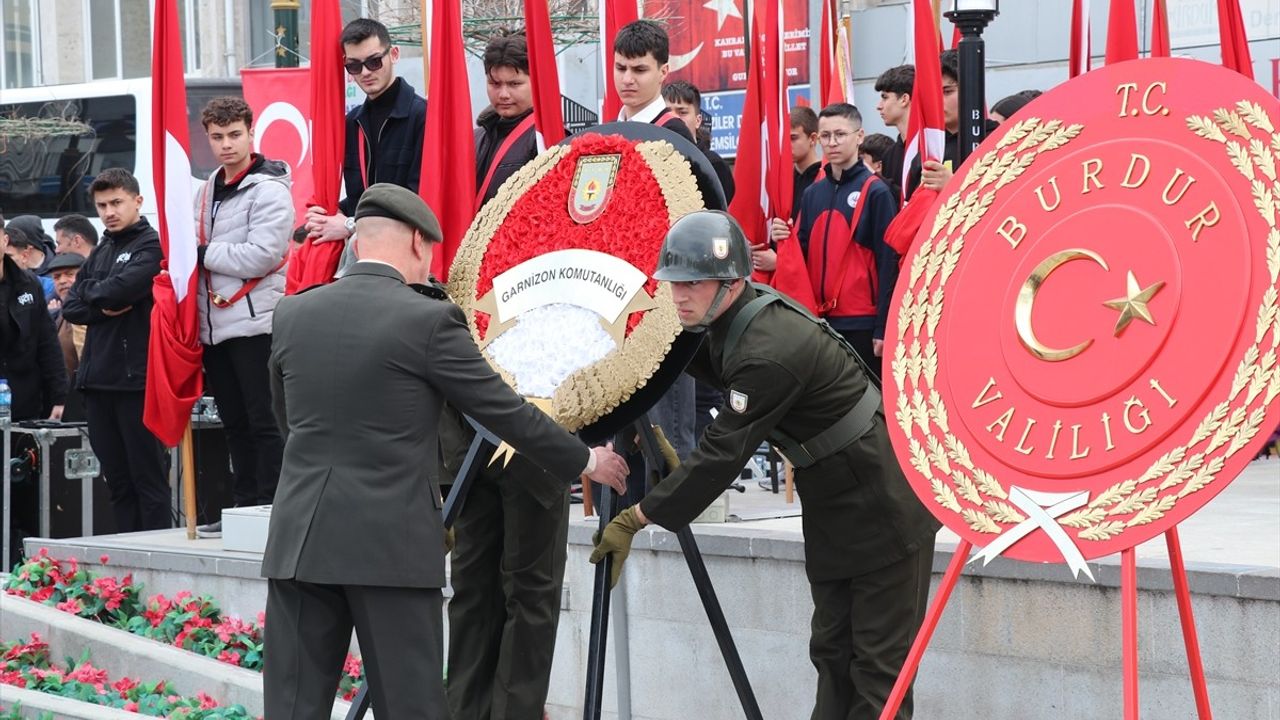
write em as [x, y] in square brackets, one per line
[131, 706]
[206, 702]
[72, 606]
[104, 559]
[262, 619]
[88, 674]
[353, 666]
[124, 685]
[42, 594]
[230, 657]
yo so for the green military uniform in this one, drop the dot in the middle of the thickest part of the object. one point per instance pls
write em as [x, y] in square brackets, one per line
[868, 539]
[507, 572]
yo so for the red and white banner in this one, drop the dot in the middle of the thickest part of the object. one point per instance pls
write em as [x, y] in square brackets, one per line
[281, 103]
[547, 114]
[1081, 48]
[926, 136]
[174, 350]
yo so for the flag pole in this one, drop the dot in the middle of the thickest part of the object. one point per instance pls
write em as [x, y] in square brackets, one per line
[188, 482]
[426, 49]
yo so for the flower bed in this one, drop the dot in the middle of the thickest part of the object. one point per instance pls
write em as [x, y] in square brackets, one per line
[27, 665]
[185, 621]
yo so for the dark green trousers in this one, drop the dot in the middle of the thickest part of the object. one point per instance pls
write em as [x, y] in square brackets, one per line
[862, 630]
[508, 570]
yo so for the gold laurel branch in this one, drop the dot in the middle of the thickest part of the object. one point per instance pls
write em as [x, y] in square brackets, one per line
[1203, 477]
[981, 522]
[1210, 423]
[931, 359]
[903, 413]
[899, 367]
[1016, 170]
[962, 211]
[1061, 137]
[1256, 116]
[966, 487]
[933, 315]
[1262, 199]
[1164, 465]
[920, 459]
[918, 312]
[978, 211]
[933, 266]
[1114, 494]
[1039, 135]
[1102, 531]
[919, 411]
[1019, 131]
[905, 313]
[1227, 430]
[1231, 122]
[1273, 387]
[938, 412]
[979, 168]
[921, 259]
[1247, 431]
[938, 455]
[1263, 158]
[944, 215]
[1083, 518]
[1184, 471]
[915, 363]
[952, 259]
[1273, 254]
[1239, 155]
[1275, 141]
[959, 453]
[945, 496]
[989, 484]
[997, 169]
[1259, 381]
[1004, 512]
[1205, 128]
[1132, 502]
[1244, 371]
[1154, 511]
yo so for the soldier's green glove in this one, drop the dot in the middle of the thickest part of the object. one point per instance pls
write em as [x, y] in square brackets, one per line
[615, 542]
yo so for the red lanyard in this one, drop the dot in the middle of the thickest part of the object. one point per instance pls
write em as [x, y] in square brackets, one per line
[829, 305]
[248, 285]
[525, 126]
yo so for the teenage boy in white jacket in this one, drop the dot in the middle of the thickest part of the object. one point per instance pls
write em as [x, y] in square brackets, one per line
[244, 217]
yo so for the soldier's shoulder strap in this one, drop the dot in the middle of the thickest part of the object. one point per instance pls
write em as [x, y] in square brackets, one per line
[767, 296]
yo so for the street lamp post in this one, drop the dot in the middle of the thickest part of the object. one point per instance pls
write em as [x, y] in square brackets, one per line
[972, 17]
[285, 16]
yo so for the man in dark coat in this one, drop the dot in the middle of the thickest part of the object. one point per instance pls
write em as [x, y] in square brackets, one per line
[360, 370]
[30, 356]
[384, 134]
[112, 296]
[791, 379]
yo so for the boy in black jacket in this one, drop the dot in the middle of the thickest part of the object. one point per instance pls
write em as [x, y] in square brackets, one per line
[112, 296]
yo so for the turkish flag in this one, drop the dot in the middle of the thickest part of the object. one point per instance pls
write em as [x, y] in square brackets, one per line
[777, 127]
[547, 114]
[830, 83]
[1081, 39]
[926, 134]
[448, 150]
[614, 15]
[1122, 32]
[1235, 43]
[174, 352]
[1159, 30]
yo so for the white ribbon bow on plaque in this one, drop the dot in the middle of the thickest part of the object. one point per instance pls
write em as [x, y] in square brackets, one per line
[1042, 510]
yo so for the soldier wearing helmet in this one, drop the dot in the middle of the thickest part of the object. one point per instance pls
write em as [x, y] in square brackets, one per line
[789, 378]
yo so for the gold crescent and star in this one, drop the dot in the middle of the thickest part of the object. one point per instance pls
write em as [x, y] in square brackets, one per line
[1133, 305]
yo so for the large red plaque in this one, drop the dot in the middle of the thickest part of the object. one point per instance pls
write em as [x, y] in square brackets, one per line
[1086, 328]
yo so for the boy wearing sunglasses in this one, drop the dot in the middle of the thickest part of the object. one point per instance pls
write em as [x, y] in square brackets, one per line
[384, 134]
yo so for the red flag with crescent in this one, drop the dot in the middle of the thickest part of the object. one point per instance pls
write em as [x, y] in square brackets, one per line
[1235, 43]
[174, 351]
[614, 14]
[1122, 32]
[547, 114]
[926, 136]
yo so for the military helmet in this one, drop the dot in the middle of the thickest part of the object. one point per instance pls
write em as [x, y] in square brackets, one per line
[704, 245]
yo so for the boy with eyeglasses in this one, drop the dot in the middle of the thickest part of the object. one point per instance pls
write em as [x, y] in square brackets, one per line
[384, 134]
[843, 217]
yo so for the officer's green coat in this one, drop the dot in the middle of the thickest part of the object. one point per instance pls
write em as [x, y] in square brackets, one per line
[785, 372]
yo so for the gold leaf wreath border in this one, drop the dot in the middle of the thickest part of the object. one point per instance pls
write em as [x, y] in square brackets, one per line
[592, 392]
[1135, 501]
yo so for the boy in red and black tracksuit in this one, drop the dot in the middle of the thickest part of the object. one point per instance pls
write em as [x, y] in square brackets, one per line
[852, 273]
